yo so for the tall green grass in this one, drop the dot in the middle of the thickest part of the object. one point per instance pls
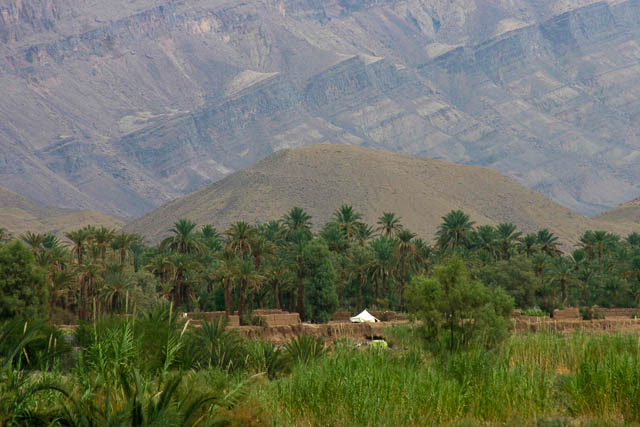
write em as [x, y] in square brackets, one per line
[531, 378]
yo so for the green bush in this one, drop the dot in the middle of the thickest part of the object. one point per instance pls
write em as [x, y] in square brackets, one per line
[23, 285]
[467, 310]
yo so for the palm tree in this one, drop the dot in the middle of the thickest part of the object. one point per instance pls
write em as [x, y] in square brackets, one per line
[506, 238]
[297, 220]
[182, 265]
[347, 220]
[364, 233]
[454, 230]
[79, 239]
[405, 248]
[561, 270]
[334, 236]
[102, 237]
[114, 290]
[597, 244]
[88, 276]
[633, 240]
[124, 242]
[273, 231]
[225, 274]
[484, 237]
[34, 240]
[389, 224]
[279, 276]
[422, 256]
[241, 237]
[184, 239]
[248, 279]
[360, 260]
[548, 242]
[383, 261]
[529, 244]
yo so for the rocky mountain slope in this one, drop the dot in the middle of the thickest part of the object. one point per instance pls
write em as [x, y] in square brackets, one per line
[122, 105]
[320, 178]
[18, 214]
[627, 213]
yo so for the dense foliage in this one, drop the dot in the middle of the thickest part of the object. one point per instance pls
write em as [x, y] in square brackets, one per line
[133, 359]
[283, 263]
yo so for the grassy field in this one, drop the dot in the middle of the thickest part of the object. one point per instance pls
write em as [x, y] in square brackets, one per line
[131, 372]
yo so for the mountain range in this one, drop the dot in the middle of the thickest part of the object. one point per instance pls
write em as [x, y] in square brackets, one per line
[124, 105]
[321, 178]
[19, 214]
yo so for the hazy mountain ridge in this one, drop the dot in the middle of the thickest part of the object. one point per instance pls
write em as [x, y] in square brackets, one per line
[320, 178]
[19, 214]
[139, 102]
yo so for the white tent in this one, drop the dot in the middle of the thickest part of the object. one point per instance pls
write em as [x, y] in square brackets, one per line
[364, 317]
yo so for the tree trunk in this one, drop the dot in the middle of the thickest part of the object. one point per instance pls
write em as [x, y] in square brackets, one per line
[276, 296]
[241, 298]
[300, 307]
[360, 291]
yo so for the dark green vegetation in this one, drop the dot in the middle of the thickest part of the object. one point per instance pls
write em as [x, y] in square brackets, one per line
[347, 264]
[134, 360]
[152, 370]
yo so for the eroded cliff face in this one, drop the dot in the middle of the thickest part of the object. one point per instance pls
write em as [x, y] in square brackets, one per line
[122, 105]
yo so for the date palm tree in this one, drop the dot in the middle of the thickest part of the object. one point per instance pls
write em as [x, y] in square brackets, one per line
[560, 270]
[184, 239]
[364, 233]
[528, 245]
[248, 279]
[34, 240]
[225, 274]
[360, 259]
[389, 224]
[506, 238]
[297, 221]
[102, 238]
[347, 219]
[548, 242]
[241, 237]
[406, 250]
[454, 230]
[79, 239]
[383, 262]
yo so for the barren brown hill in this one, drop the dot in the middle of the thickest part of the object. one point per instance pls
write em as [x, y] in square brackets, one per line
[320, 178]
[627, 213]
[19, 214]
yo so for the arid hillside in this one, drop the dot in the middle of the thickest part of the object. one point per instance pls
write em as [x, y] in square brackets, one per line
[320, 178]
[18, 214]
[627, 213]
[123, 105]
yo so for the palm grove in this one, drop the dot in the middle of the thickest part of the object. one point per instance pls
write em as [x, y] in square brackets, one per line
[284, 264]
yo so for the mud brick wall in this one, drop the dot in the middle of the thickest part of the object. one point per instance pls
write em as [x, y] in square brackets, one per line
[571, 313]
[287, 319]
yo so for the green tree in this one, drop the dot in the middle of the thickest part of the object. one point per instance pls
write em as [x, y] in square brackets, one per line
[296, 221]
[241, 237]
[406, 249]
[389, 224]
[184, 239]
[468, 310]
[383, 263]
[506, 239]
[548, 242]
[347, 220]
[516, 276]
[454, 231]
[23, 284]
[321, 297]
